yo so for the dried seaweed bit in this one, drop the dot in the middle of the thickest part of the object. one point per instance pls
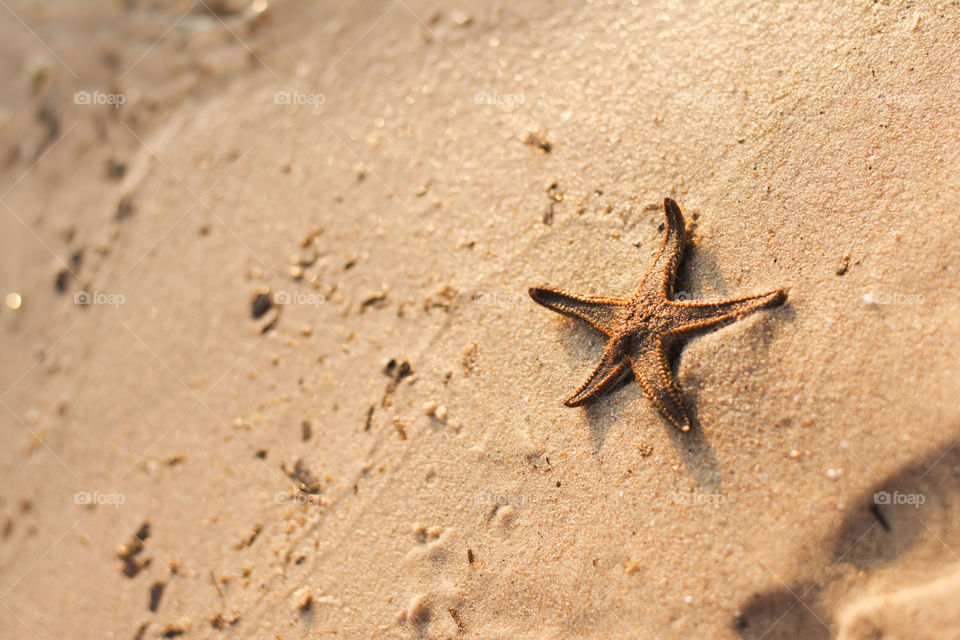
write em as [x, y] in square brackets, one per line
[140, 631]
[305, 261]
[261, 453]
[175, 629]
[538, 141]
[443, 298]
[398, 371]
[116, 169]
[377, 301]
[128, 552]
[306, 481]
[156, 592]
[260, 304]
[132, 566]
[553, 191]
[62, 280]
[555, 195]
[308, 239]
[548, 214]
[270, 325]
[216, 585]
[144, 531]
[219, 622]
[400, 427]
[124, 208]
[843, 266]
[470, 556]
[174, 460]
[369, 422]
[249, 540]
[469, 360]
[306, 430]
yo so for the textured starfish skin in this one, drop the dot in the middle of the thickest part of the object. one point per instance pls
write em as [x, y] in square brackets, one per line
[642, 329]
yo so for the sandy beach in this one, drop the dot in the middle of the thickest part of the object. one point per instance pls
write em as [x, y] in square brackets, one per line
[271, 369]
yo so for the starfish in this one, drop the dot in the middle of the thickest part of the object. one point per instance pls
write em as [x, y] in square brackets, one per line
[644, 329]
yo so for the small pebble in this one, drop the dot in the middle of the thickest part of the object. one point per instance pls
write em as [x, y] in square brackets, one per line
[174, 629]
[302, 598]
[260, 304]
[430, 408]
[460, 18]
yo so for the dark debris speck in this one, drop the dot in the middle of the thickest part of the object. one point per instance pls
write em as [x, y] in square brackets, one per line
[124, 208]
[260, 305]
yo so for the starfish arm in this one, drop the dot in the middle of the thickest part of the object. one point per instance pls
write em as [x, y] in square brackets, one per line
[659, 279]
[653, 374]
[598, 311]
[700, 315]
[613, 366]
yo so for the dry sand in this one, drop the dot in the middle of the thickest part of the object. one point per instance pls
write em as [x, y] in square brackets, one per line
[383, 146]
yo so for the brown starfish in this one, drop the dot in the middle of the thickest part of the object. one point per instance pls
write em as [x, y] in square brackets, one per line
[644, 328]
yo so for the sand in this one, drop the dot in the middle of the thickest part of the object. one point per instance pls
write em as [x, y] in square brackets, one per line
[383, 453]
